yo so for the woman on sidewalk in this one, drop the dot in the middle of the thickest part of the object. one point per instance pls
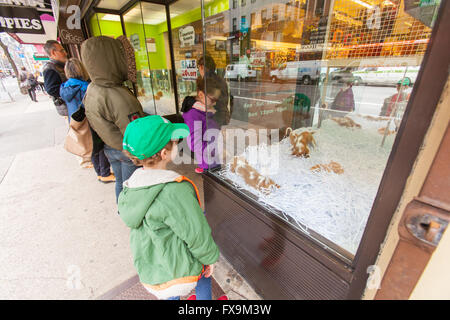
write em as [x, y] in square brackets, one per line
[28, 83]
[72, 92]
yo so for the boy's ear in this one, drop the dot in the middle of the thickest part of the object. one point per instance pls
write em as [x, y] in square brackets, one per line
[164, 154]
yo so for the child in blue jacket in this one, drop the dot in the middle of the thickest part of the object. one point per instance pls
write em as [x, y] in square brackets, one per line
[72, 92]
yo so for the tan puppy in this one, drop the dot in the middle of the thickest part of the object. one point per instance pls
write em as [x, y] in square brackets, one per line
[381, 131]
[252, 177]
[372, 118]
[346, 122]
[332, 166]
[301, 142]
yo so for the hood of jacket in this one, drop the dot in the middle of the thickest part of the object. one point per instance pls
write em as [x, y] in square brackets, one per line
[143, 184]
[105, 61]
[71, 87]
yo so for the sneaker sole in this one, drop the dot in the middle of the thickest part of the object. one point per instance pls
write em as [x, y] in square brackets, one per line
[106, 181]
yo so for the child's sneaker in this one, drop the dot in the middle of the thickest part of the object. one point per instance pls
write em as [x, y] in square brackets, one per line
[198, 170]
[224, 297]
[193, 297]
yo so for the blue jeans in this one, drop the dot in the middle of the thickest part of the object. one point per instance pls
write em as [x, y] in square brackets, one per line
[101, 164]
[202, 290]
[122, 167]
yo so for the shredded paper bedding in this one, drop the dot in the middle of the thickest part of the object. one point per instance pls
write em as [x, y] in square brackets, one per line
[336, 206]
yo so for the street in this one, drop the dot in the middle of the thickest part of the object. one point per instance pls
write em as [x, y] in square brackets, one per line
[368, 99]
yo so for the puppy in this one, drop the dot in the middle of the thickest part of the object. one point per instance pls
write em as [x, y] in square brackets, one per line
[332, 166]
[301, 142]
[346, 122]
[382, 130]
[252, 177]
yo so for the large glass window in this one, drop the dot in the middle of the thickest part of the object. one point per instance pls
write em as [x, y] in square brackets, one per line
[317, 91]
[103, 24]
[146, 27]
[186, 23]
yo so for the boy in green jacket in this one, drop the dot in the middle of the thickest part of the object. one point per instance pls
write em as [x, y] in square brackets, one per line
[171, 240]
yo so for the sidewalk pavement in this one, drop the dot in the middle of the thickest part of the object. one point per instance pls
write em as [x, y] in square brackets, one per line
[60, 234]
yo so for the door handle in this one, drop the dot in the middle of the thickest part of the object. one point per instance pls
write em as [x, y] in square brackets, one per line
[426, 227]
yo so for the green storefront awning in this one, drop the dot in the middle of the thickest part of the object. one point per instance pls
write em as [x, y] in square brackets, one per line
[40, 58]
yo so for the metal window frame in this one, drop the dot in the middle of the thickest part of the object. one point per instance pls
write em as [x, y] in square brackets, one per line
[92, 9]
[413, 129]
[427, 91]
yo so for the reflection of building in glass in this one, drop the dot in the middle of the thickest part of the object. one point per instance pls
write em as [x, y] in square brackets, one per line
[291, 30]
[277, 29]
[375, 28]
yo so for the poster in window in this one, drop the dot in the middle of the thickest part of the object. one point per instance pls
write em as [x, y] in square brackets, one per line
[151, 44]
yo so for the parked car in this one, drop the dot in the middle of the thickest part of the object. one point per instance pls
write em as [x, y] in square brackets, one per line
[388, 76]
[344, 75]
[305, 72]
[381, 76]
[240, 72]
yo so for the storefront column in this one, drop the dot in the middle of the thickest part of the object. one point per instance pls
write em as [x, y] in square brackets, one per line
[172, 59]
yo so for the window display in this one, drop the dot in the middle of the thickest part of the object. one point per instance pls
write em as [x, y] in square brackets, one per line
[319, 89]
[146, 28]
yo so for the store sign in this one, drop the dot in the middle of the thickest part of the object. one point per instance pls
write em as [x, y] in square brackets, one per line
[69, 22]
[187, 36]
[24, 3]
[20, 20]
[41, 57]
[258, 59]
[189, 70]
[135, 42]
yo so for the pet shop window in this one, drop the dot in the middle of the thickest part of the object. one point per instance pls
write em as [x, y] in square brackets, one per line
[314, 107]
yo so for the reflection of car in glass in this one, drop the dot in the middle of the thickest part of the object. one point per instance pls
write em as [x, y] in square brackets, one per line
[239, 71]
[306, 72]
[388, 76]
[344, 75]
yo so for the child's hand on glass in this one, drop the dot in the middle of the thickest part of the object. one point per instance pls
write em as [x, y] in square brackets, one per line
[212, 110]
[209, 270]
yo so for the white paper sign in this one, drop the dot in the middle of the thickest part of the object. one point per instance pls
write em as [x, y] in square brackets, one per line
[187, 36]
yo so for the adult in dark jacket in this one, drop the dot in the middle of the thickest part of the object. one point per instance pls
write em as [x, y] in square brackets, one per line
[207, 66]
[33, 84]
[54, 75]
[28, 82]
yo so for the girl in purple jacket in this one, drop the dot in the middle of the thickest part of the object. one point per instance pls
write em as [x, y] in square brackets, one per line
[198, 113]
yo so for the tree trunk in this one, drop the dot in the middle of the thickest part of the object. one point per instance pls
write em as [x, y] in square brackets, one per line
[11, 61]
